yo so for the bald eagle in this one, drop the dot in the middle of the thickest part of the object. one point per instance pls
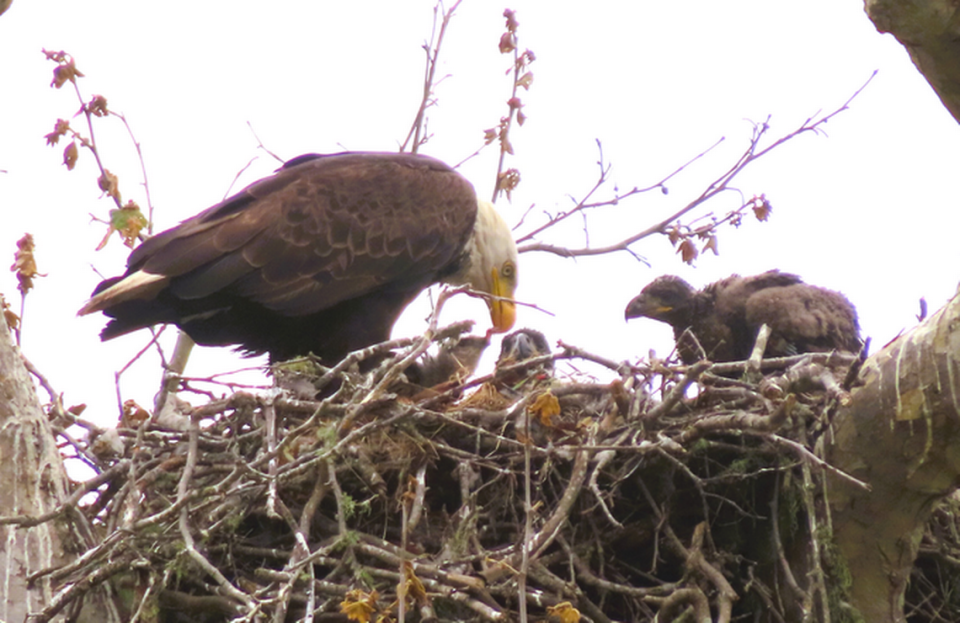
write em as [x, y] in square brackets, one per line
[320, 257]
[725, 316]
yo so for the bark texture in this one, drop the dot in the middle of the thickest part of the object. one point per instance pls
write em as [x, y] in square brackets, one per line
[34, 482]
[899, 433]
[930, 30]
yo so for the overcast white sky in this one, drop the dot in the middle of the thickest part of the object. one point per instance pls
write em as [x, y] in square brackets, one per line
[870, 209]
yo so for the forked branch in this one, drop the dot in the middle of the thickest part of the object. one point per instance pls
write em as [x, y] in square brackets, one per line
[670, 225]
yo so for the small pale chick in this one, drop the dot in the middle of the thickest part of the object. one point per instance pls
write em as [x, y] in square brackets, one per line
[724, 317]
[519, 346]
[516, 347]
[455, 361]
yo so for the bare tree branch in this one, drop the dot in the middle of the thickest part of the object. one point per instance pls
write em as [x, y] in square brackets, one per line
[718, 186]
[416, 136]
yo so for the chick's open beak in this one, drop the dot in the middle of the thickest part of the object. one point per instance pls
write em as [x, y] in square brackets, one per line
[503, 313]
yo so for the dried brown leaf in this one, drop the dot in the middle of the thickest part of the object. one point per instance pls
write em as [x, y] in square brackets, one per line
[761, 207]
[70, 155]
[414, 587]
[13, 320]
[545, 407]
[129, 221]
[55, 56]
[133, 415]
[674, 235]
[98, 106]
[711, 245]
[508, 43]
[512, 22]
[486, 397]
[564, 612]
[109, 184]
[59, 129]
[688, 251]
[65, 72]
[508, 181]
[620, 397]
[106, 238]
[25, 264]
[359, 605]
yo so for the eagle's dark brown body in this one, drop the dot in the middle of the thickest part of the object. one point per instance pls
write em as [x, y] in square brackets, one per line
[726, 315]
[321, 257]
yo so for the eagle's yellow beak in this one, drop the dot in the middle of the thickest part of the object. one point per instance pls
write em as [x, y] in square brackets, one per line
[503, 313]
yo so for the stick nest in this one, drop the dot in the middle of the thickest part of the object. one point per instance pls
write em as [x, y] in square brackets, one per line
[688, 491]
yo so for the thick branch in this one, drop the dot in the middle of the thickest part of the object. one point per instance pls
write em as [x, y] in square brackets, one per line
[899, 433]
[930, 31]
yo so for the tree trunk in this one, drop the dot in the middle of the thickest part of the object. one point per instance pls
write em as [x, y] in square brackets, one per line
[930, 30]
[899, 433]
[34, 483]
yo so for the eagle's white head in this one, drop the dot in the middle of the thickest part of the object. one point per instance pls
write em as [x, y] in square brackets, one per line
[491, 266]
